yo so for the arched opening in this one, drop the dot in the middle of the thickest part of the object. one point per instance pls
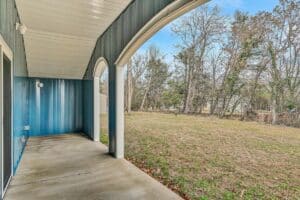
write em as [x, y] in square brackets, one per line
[161, 136]
[161, 19]
[100, 101]
[164, 17]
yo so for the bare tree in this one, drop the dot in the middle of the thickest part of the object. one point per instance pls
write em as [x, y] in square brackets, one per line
[156, 75]
[235, 66]
[135, 70]
[282, 46]
[197, 31]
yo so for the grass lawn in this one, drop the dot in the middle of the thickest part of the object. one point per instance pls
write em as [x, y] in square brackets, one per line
[210, 158]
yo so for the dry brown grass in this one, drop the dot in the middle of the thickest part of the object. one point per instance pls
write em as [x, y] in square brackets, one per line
[210, 158]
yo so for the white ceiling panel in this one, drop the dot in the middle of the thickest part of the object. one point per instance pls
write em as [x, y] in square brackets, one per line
[61, 34]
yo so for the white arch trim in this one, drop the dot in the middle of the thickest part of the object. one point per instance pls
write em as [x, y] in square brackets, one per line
[100, 67]
[168, 14]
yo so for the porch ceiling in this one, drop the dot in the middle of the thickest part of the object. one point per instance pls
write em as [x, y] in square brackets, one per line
[61, 35]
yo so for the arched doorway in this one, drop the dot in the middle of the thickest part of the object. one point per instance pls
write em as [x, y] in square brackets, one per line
[100, 68]
[117, 45]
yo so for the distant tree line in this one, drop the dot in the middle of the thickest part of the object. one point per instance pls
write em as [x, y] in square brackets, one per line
[243, 65]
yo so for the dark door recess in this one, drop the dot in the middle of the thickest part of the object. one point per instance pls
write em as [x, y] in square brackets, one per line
[7, 158]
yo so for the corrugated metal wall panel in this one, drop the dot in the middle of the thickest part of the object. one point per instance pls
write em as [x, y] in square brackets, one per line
[21, 117]
[56, 107]
[88, 117]
[8, 18]
[111, 43]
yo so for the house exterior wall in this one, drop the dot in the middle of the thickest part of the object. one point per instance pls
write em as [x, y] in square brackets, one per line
[109, 46]
[56, 107]
[21, 117]
[8, 18]
[66, 105]
[88, 108]
[112, 42]
[137, 22]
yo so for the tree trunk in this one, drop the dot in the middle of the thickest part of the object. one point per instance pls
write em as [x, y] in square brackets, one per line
[249, 109]
[188, 100]
[145, 95]
[189, 90]
[144, 100]
[274, 111]
[235, 105]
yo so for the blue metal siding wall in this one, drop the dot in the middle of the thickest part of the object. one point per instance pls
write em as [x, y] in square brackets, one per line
[21, 117]
[56, 107]
[8, 18]
[88, 116]
[112, 42]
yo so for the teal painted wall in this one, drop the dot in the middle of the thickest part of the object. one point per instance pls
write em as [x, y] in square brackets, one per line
[21, 117]
[8, 18]
[56, 107]
[88, 117]
[112, 42]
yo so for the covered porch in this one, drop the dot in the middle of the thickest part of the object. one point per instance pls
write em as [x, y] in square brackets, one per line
[71, 166]
[52, 54]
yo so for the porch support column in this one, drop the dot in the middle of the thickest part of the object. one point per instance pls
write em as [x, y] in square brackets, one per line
[120, 112]
[96, 109]
[116, 111]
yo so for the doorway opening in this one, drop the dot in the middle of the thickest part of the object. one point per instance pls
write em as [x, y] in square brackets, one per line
[104, 103]
[7, 153]
[101, 102]
[6, 116]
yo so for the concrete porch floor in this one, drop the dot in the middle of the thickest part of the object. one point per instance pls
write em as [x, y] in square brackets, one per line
[72, 167]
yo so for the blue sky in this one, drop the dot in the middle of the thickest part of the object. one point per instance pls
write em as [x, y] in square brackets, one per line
[166, 40]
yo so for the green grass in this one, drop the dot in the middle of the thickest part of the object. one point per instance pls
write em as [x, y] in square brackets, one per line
[104, 129]
[210, 158]
[104, 137]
